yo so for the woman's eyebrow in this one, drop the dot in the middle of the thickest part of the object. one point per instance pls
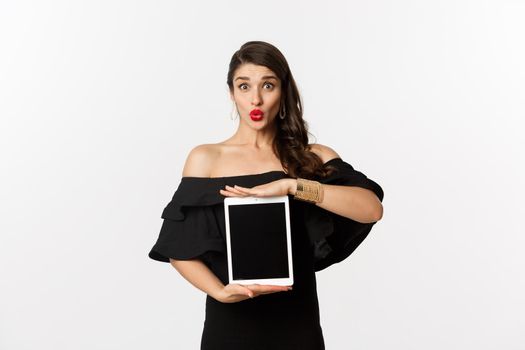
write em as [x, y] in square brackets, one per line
[265, 77]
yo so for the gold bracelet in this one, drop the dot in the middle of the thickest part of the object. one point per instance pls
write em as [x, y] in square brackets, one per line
[308, 190]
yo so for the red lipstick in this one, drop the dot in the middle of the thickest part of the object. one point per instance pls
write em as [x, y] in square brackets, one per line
[256, 114]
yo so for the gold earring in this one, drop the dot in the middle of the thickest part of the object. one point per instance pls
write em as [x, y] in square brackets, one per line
[282, 112]
[234, 108]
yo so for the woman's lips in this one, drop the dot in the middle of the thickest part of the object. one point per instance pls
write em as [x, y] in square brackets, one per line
[256, 114]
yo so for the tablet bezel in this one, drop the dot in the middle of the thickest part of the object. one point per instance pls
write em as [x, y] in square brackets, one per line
[286, 281]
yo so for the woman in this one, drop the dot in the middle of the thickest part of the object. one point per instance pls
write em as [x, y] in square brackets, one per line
[332, 209]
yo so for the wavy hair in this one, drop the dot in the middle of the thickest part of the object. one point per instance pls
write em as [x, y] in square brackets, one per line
[291, 141]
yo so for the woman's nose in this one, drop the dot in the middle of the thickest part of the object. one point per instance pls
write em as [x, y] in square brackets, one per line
[256, 98]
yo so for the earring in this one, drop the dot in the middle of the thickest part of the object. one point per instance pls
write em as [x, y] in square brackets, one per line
[282, 113]
[234, 108]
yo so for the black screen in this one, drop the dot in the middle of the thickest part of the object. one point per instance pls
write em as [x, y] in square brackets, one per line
[258, 241]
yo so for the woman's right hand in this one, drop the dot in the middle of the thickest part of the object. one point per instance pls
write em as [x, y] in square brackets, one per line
[233, 292]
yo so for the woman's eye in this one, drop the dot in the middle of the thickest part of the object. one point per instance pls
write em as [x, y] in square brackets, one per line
[269, 84]
[240, 86]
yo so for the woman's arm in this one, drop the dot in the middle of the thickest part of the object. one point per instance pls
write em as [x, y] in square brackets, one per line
[353, 202]
[200, 276]
[356, 203]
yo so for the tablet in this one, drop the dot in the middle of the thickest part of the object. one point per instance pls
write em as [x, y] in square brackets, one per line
[258, 240]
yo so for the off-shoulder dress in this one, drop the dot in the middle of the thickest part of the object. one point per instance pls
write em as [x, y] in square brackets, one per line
[194, 228]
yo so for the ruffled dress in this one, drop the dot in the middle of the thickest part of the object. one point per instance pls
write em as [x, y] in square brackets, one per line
[194, 228]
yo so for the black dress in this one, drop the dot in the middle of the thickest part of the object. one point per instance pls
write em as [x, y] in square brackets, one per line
[194, 227]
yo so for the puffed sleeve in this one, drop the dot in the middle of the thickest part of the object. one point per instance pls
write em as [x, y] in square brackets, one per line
[190, 228]
[335, 237]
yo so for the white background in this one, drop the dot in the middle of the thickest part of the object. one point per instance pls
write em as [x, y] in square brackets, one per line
[100, 102]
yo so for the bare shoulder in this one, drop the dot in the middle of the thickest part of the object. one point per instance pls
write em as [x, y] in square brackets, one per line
[324, 152]
[200, 160]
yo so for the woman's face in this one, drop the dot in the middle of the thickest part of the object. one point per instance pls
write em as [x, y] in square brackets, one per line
[256, 88]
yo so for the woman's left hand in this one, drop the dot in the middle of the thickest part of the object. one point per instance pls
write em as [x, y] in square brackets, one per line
[279, 187]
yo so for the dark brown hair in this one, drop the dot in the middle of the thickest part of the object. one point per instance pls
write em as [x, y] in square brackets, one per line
[291, 141]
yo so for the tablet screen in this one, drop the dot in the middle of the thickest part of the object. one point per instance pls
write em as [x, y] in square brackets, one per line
[258, 241]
